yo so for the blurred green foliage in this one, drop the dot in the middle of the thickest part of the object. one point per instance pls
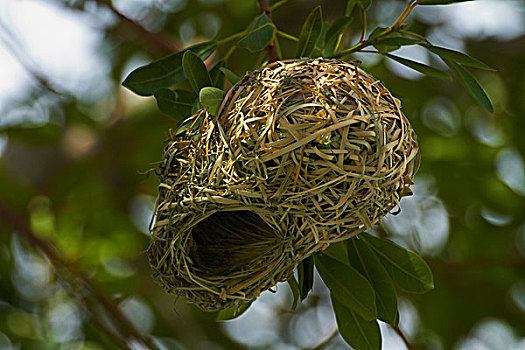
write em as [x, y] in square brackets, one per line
[81, 179]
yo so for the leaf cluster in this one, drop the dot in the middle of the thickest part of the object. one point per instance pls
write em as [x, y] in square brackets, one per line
[361, 273]
[317, 38]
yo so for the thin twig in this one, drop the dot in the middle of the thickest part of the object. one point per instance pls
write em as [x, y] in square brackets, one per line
[14, 46]
[271, 49]
[160, 40]
[395, 27]
[327, 340]
[410, 7]
[20, 227]
[415, 35]
[402, 336]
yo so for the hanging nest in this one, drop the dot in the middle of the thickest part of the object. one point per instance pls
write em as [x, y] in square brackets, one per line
[302, 154]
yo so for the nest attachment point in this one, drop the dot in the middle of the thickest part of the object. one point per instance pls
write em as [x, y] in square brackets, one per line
[302, 153]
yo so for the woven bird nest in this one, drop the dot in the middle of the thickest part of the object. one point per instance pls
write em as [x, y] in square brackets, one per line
[302, 153]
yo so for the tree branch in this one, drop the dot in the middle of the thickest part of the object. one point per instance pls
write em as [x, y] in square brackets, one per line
[402, 336]
[160, 40]
[271, 49]
[327, 340]
[67, 272]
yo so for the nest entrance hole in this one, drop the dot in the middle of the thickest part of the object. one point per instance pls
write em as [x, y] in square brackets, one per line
[231, 240]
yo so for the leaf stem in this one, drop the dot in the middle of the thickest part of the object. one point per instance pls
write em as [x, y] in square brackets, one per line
[278, 4]
[362, 44]
[363, 34]
[231, 37]
[419, 36]
[229, 53]
[287, 36]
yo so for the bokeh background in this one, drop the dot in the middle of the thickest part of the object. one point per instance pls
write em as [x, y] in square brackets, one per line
[76, 191]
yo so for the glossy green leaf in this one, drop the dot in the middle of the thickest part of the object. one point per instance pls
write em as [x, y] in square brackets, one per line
[217, 75]
[393, 43]
[348, 286]
[294, 287]
[338, 252]
[306, 277]
[259, 34]
[472, 85]
[309, 33]
[177, 104]
[364, 4]
[231, 76]
[320, 40]
[233, 312]
[359, 333]
[195, 71]
[337, 28]
[456, 56]
[420, 67]
[440, 2]
[211, 97]
[407, 269]
[166, 72]
[366, 262]
[350, 7]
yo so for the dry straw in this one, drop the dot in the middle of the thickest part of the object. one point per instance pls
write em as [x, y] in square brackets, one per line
[303, 153]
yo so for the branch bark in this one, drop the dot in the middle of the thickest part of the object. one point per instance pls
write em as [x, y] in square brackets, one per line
[160, 40]
[271, 49]
[327, 340]
[72, 275]
[402, 336]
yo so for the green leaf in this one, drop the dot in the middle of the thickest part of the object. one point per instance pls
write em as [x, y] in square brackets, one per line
[359, 333]
[440, 2]
[456, 56]
[306, 277]
[337, 28]
[217, 75]
[259, 34]
[233, 312]
[472, 85]
[211, 97]
[177, 104]
[166, 72]
[309, 33]
[196, 71]
[393, 43]
[320, 40]
[348, 286]
[366, 262]
[350, 7]
[338, 252]
[407, 269]
[294, 287]
[364, 4]
[231, 76]
[420, 67]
